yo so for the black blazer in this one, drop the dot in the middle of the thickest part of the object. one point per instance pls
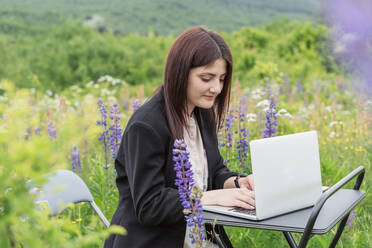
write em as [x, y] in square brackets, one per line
[149, 206]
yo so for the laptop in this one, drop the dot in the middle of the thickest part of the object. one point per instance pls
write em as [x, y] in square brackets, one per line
[286, 175]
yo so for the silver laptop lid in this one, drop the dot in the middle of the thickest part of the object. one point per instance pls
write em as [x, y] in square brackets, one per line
[286, 173]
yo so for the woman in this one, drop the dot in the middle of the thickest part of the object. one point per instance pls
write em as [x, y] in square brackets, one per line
[189, 104]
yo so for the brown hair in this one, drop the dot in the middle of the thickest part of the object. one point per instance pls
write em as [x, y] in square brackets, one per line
[195, 47]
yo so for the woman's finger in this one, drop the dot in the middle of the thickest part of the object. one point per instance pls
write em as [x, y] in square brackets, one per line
[250, 180]
[247, 197]
[242, 204]
[248, 192]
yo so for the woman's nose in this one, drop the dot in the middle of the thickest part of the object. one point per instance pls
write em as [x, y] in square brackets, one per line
[216, 87]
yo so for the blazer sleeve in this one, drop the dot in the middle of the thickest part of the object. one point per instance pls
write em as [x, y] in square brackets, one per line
[145, 154]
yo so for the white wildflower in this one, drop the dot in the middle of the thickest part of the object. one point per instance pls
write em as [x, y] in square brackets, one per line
[111, 100]
[333, 123]
[257, 93]
[251, 117]
[328, 108]
[282, 112]
[288, 115]
[115, 81]
[336, 123]
[333, 134]
[89, 84]
[339, 106]
[105, 92]
[49, 92]
[34, 191]
[263, 103]
[303, 112]
[106, 78]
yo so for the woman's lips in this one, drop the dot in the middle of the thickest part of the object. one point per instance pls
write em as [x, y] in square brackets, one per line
[210, 97]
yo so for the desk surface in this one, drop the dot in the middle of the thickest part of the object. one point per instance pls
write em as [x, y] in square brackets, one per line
[336, 207]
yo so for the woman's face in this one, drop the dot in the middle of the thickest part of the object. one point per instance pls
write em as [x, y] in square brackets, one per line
[204, 85]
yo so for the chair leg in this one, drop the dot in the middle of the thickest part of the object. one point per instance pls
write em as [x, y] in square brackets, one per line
[290, 239]
[340, 229]
[100, 214]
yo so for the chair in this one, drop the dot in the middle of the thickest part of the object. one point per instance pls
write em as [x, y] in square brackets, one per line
[64, 187]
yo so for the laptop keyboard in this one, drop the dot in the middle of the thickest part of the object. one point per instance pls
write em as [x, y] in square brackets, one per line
[243, 211]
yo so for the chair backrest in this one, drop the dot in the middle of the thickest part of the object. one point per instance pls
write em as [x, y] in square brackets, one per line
[64, 187]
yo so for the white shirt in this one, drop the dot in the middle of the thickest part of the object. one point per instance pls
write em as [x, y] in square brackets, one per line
[198, 156]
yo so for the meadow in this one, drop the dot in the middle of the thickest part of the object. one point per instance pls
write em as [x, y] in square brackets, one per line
[43, 129]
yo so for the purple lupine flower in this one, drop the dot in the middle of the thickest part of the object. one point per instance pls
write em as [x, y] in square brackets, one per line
[52, 130]
[300, 87]
[285, 89]
[226, 134]
[271, 117]
[75, 159]
[229, 125]
[353, 22]
[352, 216]
[244, 133]
[243, 106]
[104, 136]
[115, 130]
[136, 105]
[28, 133]
[189, 194]
[220, 138]
[37, 131]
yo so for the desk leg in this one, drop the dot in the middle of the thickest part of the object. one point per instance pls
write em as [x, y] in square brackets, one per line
[290, 239]
[221, 237]
[218, 239]
[340, 229]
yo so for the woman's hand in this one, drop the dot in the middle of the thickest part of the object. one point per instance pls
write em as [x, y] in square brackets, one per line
[246, 182]
[234, 197]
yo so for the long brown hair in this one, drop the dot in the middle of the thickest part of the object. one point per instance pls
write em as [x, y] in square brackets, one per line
[195, 47]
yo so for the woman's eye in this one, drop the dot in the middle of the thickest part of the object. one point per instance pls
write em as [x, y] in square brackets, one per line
[207, 80]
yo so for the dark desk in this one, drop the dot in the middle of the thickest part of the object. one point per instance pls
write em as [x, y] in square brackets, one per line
[334, 205]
